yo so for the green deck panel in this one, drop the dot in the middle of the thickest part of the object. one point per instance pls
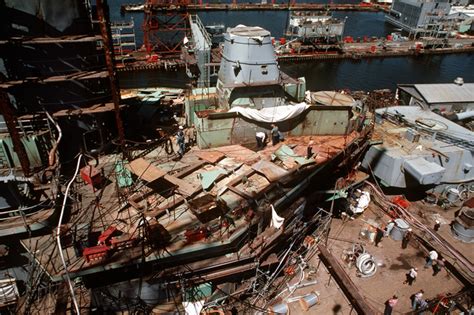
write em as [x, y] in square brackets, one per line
[123, 175]
[208, 178]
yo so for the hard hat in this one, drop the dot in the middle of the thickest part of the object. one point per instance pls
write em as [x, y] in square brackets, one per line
[180, 127]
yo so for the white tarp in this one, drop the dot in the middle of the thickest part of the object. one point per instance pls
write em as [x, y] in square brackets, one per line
[362, 203]
[271, 114]
[193, 308]
[277, 221]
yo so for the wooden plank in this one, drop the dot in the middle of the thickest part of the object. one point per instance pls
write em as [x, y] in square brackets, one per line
[241, 193]
[351, 291]
[188, 170]
[184, 187]
[145, 170]
[211, 156]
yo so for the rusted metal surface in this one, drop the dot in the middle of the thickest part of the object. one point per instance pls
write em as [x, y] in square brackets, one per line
[210, 156]
[145, 170]
[11, 122]
[351, 291]
[109, 60]
[95, 109]
[269, 170]
[81, 75]
[52, 40]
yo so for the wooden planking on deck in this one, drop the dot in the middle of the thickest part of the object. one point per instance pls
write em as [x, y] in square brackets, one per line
[145, 170]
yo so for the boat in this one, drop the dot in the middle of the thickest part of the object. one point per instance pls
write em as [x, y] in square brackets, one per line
[315, 27]
[224, 210]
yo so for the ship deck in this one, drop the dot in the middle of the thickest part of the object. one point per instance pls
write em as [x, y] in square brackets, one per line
[161, 194]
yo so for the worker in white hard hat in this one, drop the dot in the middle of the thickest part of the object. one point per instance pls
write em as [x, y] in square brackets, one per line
[437, 225]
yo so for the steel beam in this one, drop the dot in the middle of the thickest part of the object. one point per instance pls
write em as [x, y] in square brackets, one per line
[11, 122]
[351, 291]
[109, 59]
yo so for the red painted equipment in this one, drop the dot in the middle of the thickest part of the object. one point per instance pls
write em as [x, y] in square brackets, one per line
[401, 201]
[282, 41]
[105, 237]
[91, 175]
[95, 253]
[196, 235]
[164, 32]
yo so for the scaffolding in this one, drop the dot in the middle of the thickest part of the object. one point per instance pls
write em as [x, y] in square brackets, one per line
[123, 37]
[164, 30]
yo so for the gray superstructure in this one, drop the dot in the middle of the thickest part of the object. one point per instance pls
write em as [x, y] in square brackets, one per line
[419, 148]
[419, 16]
[249, 73]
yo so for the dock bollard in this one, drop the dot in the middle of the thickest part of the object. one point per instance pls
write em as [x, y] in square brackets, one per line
[307, 301]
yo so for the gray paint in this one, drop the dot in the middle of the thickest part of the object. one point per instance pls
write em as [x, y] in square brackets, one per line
[435, 159]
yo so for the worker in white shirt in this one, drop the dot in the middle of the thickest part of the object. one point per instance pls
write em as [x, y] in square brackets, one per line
[432, 256]
[261, 138]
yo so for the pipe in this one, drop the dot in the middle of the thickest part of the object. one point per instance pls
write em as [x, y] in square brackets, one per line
[52, 153]
[58, 235]
[307, 301]
[465, 115]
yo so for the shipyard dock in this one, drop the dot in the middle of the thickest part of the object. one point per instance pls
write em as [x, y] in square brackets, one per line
[378, 48]
[255, 7]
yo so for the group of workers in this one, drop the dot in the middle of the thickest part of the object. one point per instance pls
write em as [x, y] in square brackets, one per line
[262, 137]
[186, 137]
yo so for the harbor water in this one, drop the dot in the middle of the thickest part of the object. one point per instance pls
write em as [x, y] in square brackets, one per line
[365, 74]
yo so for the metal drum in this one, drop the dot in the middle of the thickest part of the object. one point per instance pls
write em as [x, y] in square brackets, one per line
[279, 309]
[399, 229]
[307, 301]
[463, 226]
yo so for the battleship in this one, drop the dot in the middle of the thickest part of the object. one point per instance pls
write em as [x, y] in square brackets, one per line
[228, 207]
[216, 200]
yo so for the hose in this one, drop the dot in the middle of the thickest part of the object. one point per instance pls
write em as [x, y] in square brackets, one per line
[366, 265]
[58, 235]
[52, 154]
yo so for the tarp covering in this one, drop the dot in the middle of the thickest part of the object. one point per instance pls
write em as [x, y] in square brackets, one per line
[193, 308]
[271, 114]
[277, 221]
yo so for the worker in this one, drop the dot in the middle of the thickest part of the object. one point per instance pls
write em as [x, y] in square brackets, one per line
[417, 299]
[309, 150]
[275, 134]
[390, 304]
[438, 265]
[261, 138]
[432, 256]
[406, 238]
[191, 135]
[180, 141]
[411, 276]
[379, 234]
[437, 225]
